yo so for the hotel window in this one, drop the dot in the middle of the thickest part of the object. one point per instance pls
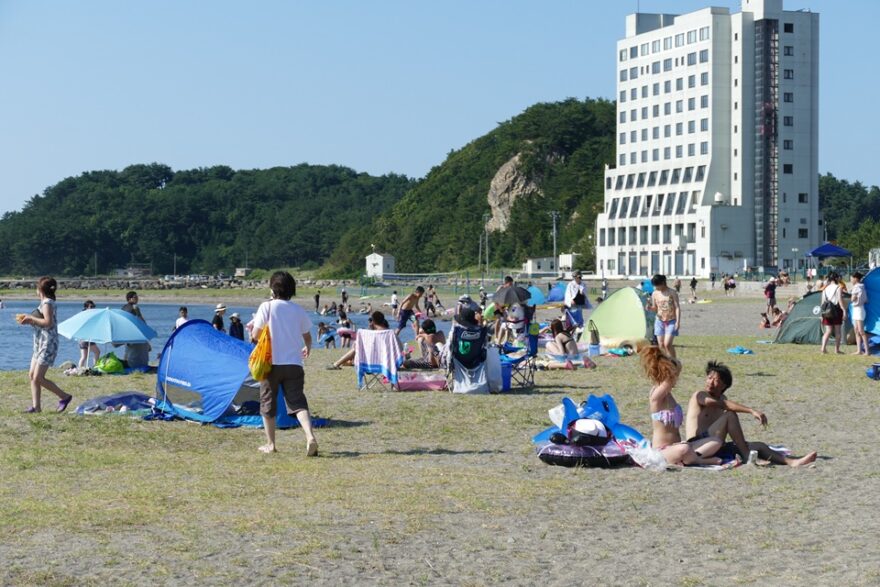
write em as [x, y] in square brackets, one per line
[788, 74]
[656, 89]
[667, 153]
[610, 240]
[692, 149]
[736, 36]
[679, 84]
[736, 58]
[667, 65]
[692, 58]
[704, 78]
[633, 52]
[635, 207]
[704, 148]
[633, 115]
[787, 145]
[607, 183]
[655, 155]
[624, 207]
[704, 33]
[682, 204]
[736, 83]
[667, 43]
[788, 168]
[802, 198]
[803, 232]
[644, 112]
[632, 158]
[623, 55]
[679, 129]
[692, 103]
[736, 105]
[644, 134]
[788, 97]
[658, 207]
[692, 37]
[664, 176]
[629, 180]
[634, 94]
[644, 50]
[788, 121]
[632, 235]
[655, 46]
[688, 175]
[704, 124]
[622, 96]
[619, 183]
[670, 204]
[692, 81]
[788, 51]
[623, 75]
[704, 56]
[667, 108]
[655, 132]
[676, 176]
[633, 73]
[655, 110]
[644, 91]
[704, 101]
[701, 173]
[788, 27]
[692, 126]
[667, 232]
[667, 86]
[622, 159]
[679, 152]
[622, 138]
[679, 39]
[667, 131]
[633, 136]
[612, 214]
[643, 234]
[623, 116]
[601, 237]
[679, 106]
[655, 67]
[645, 156]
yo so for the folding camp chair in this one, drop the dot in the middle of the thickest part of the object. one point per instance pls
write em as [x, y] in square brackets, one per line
[377, 357]
[466, 359]
[522, 366]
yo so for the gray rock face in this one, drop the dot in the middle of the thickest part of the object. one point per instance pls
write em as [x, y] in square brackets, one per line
[507, 185]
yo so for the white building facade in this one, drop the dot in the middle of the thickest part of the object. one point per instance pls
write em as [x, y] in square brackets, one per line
[717, 143]
[378, 265]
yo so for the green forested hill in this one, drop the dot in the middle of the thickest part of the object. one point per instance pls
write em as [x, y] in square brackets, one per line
[213, 219]
[436, 226]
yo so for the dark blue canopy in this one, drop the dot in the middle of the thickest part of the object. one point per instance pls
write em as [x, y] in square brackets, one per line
[829, 250]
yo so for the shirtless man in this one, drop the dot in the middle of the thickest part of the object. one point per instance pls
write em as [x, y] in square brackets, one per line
[664, 301]
[711, 414]
[408, 307]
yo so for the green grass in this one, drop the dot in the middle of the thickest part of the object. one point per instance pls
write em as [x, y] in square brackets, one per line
[413, 477]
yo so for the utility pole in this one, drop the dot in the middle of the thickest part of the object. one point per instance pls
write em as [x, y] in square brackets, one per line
[486, 230]
[555, 215]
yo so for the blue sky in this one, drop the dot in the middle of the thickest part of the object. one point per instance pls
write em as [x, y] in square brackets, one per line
[380, 86]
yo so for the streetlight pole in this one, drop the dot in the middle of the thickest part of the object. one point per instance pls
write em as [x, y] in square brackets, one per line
[555, 215]
[486, 229]
[794, 252]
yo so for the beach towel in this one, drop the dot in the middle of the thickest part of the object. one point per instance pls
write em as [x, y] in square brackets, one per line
[377, 352]
[739, 350]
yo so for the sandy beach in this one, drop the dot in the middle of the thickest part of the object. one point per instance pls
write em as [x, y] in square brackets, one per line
[431, 488]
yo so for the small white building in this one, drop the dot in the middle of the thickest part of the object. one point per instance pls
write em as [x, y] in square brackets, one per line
[567, 261]
[378, 264]
[539, 265]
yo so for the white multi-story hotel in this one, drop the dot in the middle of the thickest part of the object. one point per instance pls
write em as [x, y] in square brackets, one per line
[717, 143]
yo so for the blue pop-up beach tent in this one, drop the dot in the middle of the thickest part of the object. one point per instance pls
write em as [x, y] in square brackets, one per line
[203, 376]
[557, 294]
[872, 308]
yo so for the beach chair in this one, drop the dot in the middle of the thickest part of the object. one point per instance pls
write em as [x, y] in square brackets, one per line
[377, 358]
[522, 361]
[466, 359]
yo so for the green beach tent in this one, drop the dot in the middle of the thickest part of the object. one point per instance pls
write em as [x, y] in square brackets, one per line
[804, 322]
[622, 317]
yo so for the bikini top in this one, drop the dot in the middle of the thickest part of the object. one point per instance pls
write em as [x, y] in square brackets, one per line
[673, 417]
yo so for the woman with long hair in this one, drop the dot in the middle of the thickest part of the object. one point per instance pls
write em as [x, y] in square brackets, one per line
[833, 294]
[45, 323]
[857, 306]
[666, 414]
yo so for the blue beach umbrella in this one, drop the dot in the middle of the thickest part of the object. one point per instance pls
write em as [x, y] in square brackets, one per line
[106, 326]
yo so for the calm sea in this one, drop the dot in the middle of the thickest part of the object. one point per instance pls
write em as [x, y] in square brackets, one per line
[16, 341]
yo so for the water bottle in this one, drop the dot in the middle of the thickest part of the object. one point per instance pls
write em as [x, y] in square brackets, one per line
[753, 457]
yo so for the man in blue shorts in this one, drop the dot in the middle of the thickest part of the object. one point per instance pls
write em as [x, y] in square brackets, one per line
[664, 301]
[408, 307]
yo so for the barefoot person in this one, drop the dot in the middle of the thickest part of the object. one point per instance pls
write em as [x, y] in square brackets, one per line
[87, 347]
[666, 416]
[832, 293]
[857, 307]
[289, 327]
[711, 414]
[45, 323]
[408, 307]
[664, 301]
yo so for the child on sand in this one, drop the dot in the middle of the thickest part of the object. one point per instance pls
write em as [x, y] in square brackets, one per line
[45, 345]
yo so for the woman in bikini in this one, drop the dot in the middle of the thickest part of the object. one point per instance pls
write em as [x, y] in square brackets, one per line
[666, 414]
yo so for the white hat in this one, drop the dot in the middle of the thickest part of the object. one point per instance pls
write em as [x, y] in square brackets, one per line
[220, 307]
[235, 315]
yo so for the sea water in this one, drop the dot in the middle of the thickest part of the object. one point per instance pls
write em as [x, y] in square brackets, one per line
[16, 342]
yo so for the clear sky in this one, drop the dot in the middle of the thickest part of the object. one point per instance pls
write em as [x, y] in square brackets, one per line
[380, 86]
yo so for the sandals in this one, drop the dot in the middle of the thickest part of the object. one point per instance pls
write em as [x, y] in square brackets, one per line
[32, 410]
[333, 368]
[62, 405]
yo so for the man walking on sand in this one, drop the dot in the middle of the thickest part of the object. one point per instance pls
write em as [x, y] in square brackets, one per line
[408, 307]
[664, 301]
[710, 413]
